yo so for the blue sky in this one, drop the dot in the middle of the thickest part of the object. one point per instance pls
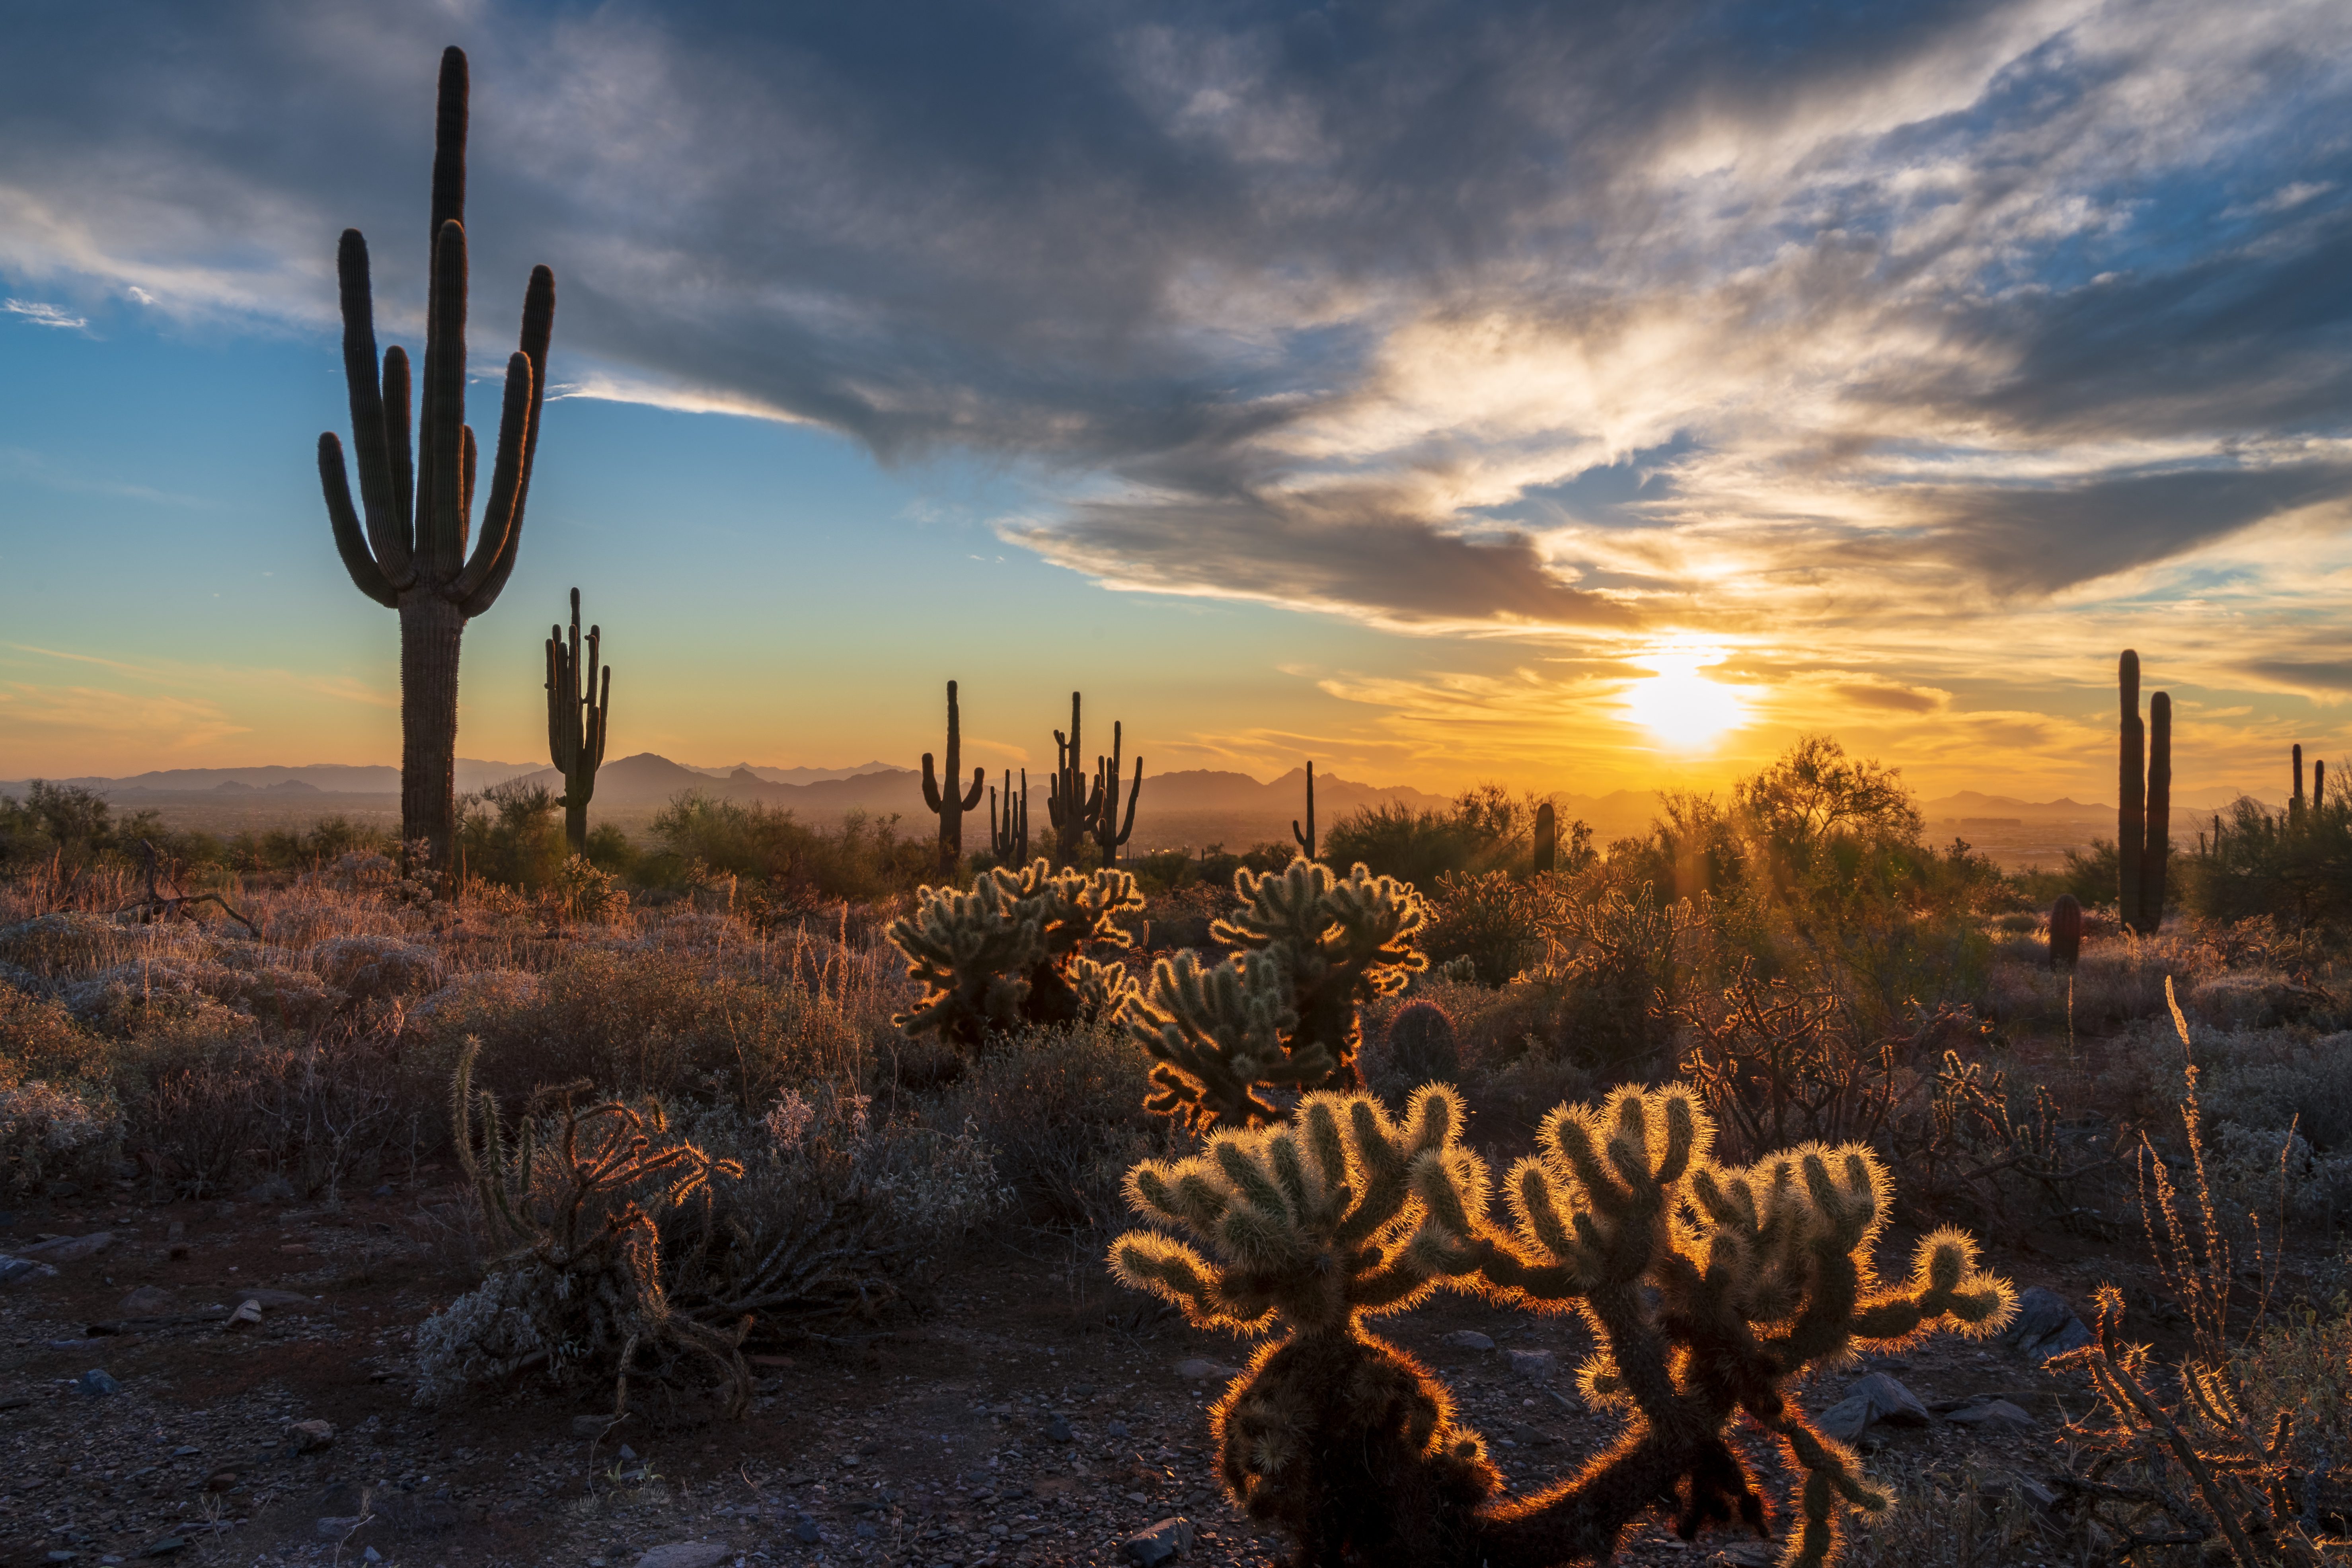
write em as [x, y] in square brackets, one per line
[1443, 393]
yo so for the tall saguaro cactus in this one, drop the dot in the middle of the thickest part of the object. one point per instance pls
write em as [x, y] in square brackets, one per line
[2294, 802]
[1067, 807]
[2144, 802]
[411, 554]
[1547, 854]
[2131, 793]
[1307, 837]
[1106, 829]
[943, 799]
[576, 714]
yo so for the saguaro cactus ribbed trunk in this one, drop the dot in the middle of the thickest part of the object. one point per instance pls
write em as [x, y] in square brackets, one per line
[2294, 802]
[2131, 798]
[2157, 852]
[576, 715]
[1305, 836]
[1067, 807]
[411, 554]
[1547, 855]
[1109, 834]
[943, 799]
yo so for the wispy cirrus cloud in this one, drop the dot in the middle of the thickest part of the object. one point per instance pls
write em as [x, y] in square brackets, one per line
[42, 314]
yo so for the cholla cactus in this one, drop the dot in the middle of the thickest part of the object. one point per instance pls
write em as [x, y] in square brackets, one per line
[1012, 952]
[1282, 1012]
[1710, 1290]
[1338, 1437]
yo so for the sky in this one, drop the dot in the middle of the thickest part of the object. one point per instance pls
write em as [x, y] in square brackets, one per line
[1581, 397]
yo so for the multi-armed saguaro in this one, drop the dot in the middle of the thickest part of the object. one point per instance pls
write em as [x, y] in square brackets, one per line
[1108, 832]
[1008, 835]
[943, 799]
[1305, 836]
[411, 555]
[2144, 803]
[576, 712]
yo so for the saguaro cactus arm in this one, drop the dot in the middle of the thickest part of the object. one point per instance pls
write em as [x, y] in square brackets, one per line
[944, 801]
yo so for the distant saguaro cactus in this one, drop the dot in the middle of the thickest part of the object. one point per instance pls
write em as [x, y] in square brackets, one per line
[411, 555]
[944, 800]
[1547, 838]
[2318, 784]
[2131, 793]
[1008, 836]
[2294, 802]
[1066, 805]
[577, 709]
[1307, 838]
[2065, 932]
[1108, 831]
[2144, 802]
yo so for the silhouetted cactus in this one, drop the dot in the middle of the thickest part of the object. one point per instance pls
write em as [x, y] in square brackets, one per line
[2294, 802]
[2065, 932]
[1282, 1012]
[578, 704]
[2157, 853]
[1107, 832]
[1008, 835]
[2131, 793]
[411, 555]
[1712, 1290]
[1547, 838]
[1420, 1044]
[944, 801]
[1067, 807]
[1307, 837]
[1013, 952]
[2318, 784]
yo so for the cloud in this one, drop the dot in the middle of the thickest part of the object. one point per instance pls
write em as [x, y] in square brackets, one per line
[42, 315]
[1602, 325]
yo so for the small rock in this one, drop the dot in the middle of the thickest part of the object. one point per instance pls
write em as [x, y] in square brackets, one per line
[246, 1314]
[1468, 1340]
[686, 1554]
[1196, 1370]
[96, 1383]
[1082, 1391]
[15, 1270]
[69, 1248]
[1989, 1412]
[147, 1301]
[805, 1531]
[337, 1528]
[1115, 1429]
[61, 1190]
[863, 1531]
[371, 1556]
[309, 1436]
[1057, 1430]
[166, 1546]
[590, 1425]
[1527, 1436]
[1535, 1365]
[2044, 1326]
[628, 1452]
[177, 1231]
[270, 1190]
[1877, 1397]
[1157, 1543]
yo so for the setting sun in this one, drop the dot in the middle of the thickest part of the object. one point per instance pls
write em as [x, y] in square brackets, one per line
[1680, 706]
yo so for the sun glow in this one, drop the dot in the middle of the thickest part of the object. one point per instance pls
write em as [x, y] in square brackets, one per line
[1681, 706]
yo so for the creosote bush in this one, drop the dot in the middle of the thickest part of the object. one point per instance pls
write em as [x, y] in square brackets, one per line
[1710, 1288]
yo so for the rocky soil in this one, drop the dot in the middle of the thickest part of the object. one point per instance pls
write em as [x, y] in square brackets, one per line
[1032, 1414]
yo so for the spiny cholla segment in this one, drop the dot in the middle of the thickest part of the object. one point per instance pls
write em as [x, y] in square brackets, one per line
[1710, 1290]
[1012, 952]
[1282, 1012]
[1336, 1436]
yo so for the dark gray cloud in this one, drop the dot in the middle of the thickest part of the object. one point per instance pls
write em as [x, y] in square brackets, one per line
[1327, 304]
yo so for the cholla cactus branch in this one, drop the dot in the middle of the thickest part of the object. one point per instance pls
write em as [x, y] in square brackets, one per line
[1333, 1434]
[1282, 1012]
[1013, 952]
[1710, 1288]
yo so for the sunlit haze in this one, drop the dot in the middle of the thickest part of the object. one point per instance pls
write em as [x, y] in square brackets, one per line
[1578, 397]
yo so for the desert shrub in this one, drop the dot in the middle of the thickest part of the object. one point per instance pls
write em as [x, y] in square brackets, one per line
[863, 859]
[1494, 920]
[1485, 829]
[38, 1038]
[626, 1248]
[637, 1022]
[51, 1132]
[1062, 1109]
[2294, 865]
[372, 966]
[1012, 952]
[512, 834]
[1420, 1045]
[62, 943]
[584, 891]
[1624, 961]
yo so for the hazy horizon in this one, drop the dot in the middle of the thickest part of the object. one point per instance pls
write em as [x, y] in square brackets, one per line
[1585, 400]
